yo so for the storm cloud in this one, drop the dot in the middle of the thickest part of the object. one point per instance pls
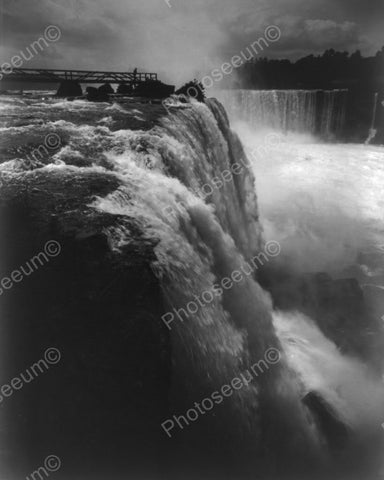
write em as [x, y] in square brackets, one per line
[182, 38]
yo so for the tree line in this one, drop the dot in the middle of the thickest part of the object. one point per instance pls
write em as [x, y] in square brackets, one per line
[330, 70]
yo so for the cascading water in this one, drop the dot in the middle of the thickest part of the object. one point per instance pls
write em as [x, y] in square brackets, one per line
[308, 191]
[320, 112]
[372, 131]
[204, 225]
[205, 238]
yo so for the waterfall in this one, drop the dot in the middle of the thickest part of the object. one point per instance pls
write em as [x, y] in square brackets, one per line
[205, 228]
[372, 131]
[183, 196]
[317, 112]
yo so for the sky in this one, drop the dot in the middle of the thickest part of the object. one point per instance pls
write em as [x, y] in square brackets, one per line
[182, 39]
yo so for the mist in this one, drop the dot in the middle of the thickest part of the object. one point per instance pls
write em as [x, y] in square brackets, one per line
[327, 217]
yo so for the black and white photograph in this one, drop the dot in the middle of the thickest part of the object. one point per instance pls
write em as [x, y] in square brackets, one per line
[192, 240]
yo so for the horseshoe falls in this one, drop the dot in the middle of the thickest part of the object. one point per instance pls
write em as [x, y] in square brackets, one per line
[217, 295]
[320, 112]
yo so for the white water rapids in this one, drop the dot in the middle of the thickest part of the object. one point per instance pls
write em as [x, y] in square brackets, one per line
[322, 203]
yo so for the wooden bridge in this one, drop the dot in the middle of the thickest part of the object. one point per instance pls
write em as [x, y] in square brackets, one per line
[81, 76]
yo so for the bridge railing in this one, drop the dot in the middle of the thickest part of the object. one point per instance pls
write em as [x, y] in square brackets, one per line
[81, 76]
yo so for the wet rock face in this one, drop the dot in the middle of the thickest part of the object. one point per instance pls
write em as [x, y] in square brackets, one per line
[125, 89]
[69, 88]
[97, 95]
[154, 89]
[100, 94]
[103, 402]
[106, 88]
[192, 89]
[337, 305]
[334, 430]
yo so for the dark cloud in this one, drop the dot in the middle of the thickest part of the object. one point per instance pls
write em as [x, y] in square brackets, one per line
[188, 38]
[358, 10]
[299, 36]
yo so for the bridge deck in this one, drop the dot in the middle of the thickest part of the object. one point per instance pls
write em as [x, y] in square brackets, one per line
[81, 76]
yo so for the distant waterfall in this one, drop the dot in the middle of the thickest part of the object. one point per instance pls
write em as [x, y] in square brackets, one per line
[320, 112]
[372, 131]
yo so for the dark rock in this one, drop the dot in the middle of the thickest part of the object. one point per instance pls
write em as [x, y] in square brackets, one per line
[337, 306]
[192, 89]
[103, 403]
[125, 89]
[333, 428]
[106, 88]
[154, 89]
[69, 88]
[95, 95]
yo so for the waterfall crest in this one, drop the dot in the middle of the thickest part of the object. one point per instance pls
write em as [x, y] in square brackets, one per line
[319, 112]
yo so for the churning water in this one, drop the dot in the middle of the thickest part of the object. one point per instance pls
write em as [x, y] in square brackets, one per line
[324, 203]
[321, 202]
